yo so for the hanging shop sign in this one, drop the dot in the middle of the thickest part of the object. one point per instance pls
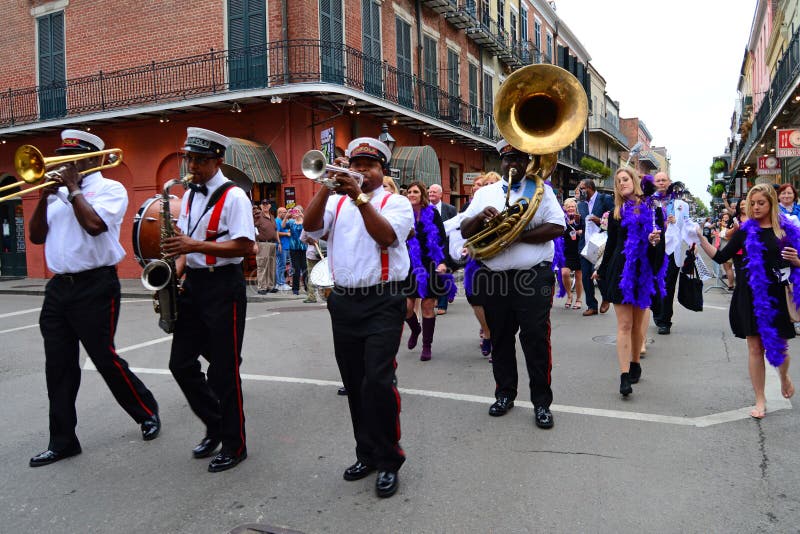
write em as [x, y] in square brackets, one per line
[768, 165]
[788, 143]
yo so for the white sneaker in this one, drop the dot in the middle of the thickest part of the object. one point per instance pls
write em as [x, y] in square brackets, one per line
[285, 287]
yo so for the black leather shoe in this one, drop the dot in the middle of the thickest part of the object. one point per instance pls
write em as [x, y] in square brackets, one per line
[224, 461]
[663, 330]
[501, 406]
[341, 391]
[273, 290]
[151, 427]
[625, 388]
[386, 483]
[635, 372]
[357, 471]
[263, 291]
[543, 417]
[49, 456]
[205, 448]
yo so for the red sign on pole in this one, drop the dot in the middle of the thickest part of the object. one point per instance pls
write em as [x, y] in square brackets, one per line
[768, 165]
[788, 143]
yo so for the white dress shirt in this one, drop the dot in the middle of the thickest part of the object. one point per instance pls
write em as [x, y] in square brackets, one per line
[673, 235]
[68, 247]
[236, 219]
[590, 228]
[354, 258]
[519, 255]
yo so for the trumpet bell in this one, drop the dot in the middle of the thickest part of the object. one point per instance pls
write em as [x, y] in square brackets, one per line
[29, 164]
[541, 109]
[314, 164]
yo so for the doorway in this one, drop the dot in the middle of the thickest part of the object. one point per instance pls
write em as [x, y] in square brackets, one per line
[12, 236]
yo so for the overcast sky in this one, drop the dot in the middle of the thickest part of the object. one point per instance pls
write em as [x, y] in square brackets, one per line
[672, 63]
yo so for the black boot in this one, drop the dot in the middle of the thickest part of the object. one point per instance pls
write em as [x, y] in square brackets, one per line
[413, 324]
[428, 326]
[625, 388]
[635, 372]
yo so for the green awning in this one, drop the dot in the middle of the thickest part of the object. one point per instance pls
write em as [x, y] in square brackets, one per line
[257, 161]
[416, 163]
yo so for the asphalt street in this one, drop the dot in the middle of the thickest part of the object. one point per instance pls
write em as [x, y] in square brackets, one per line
[680, 455]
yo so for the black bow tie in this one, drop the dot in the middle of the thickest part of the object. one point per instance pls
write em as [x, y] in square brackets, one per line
[199, 188]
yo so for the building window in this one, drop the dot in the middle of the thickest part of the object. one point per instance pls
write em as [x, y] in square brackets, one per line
[331, 36]
[501, 14]
[430, 75]
[488, 103]
[523, 24]
[52, 66]
[247, 35]
[512, 19]
[548, 55]
[473, 95]
[453, 86]
[371, 46]
[405, 87]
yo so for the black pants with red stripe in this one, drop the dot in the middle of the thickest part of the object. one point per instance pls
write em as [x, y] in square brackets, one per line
[367, 325]
[520, 301]
[84, 308]
[211, 316]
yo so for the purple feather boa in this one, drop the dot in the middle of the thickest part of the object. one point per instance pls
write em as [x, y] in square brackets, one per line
[559, 261]
[765, 306]
[470, 269]
[637, 281]
[435, 254]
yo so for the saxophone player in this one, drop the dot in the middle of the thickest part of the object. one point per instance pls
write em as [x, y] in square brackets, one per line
[215, 231]
[518, 285]
[79, 225]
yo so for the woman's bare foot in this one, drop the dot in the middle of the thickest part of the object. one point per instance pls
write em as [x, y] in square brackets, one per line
[758, 412]
[787, 388]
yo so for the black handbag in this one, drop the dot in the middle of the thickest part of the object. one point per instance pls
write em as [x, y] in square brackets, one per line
[690, 286]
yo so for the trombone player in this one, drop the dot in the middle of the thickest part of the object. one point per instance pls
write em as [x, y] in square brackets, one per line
[79, 224]
[518, 286]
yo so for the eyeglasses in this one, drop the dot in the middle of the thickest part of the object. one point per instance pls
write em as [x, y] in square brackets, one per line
[189, 158]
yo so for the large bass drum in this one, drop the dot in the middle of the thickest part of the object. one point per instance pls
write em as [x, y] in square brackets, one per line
[147, 228]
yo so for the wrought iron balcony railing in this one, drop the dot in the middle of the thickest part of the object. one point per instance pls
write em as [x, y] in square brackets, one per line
[273, 65]
[603, 123]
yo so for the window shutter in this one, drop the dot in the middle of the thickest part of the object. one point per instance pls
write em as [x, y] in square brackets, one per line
[371, 46]
[52, 68]
[247, 27]
[330, 30]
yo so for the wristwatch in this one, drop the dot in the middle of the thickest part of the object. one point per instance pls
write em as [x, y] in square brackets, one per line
[74, 194]
[361, 199]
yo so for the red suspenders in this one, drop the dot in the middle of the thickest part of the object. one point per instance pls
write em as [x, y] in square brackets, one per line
[213, 224]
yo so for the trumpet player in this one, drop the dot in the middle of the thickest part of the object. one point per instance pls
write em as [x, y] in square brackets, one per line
[368, 259]
[79, 222]
[215, 231]
[517, 287]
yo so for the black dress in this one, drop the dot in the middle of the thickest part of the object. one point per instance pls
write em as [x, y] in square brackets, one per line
[742, 314]
[614, 258]
[572, 255]
[436, 286]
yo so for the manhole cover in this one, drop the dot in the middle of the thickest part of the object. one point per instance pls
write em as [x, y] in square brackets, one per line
[612, 340]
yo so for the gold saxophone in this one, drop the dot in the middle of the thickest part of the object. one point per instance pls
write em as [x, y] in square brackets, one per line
[160, 275]
[539, 110]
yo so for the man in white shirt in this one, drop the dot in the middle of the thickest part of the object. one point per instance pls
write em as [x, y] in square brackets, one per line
[79, 224]
[676, 213]
[367, 229]
[518, 289]
[446, 211]
[215, 231]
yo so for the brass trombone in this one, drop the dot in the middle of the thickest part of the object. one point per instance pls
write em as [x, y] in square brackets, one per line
[31, 166]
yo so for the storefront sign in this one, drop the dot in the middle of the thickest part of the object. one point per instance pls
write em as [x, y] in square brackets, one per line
[788, 143]
[289, 197]
[468, 178]
[328, 143]
[768, 165]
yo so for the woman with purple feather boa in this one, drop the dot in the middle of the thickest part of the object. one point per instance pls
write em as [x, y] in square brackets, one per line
[427, 278]
[759, 311]
[631, 266]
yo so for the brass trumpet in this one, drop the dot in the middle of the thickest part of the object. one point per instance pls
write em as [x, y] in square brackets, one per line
[315, 166]
[31, 166]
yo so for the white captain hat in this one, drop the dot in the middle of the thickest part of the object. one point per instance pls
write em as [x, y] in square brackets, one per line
[202, 141]
[369, 147]
[79, 141]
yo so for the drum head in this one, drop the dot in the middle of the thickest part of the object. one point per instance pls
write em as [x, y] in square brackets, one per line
[147, 228]
[320, 275]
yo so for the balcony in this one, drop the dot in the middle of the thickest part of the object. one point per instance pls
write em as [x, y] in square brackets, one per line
[464, 16]
[301, 66]
[648, 159]
[487, 33]
[600, 124]
[443, 7]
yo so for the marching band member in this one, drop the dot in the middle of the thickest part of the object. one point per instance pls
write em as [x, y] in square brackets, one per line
[215, 231]
[80, 231]
[517, 289]
[368, 259]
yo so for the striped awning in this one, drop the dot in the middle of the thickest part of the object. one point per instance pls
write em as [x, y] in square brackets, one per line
[255, 160]
[417, 163]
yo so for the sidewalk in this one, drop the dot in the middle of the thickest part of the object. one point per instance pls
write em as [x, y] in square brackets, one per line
[131, 288]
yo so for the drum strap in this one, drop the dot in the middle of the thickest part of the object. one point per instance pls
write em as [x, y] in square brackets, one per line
[384, 251]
